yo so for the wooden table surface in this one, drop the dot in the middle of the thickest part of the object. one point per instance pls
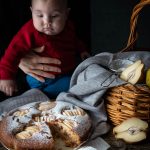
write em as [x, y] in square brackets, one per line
[119, 145]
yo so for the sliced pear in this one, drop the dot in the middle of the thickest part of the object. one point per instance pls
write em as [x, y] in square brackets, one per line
[133, 73]
[131, 122]
[125, 73]
[127, 137]
[137, 75]
[131, 130]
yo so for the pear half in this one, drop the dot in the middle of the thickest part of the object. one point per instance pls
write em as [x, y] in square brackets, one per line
[133, 73]
[131, 130]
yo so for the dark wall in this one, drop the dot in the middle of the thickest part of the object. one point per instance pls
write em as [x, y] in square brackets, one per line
[81, 14]
[13, 14]
[110, 25]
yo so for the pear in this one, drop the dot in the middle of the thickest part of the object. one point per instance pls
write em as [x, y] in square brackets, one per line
[148, 77]
[133, 73]
[131, 130]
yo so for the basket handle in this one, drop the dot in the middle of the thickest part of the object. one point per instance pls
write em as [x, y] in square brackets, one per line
[133, 23]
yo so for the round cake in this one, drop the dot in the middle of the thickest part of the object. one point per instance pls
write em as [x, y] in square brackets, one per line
[35, 126]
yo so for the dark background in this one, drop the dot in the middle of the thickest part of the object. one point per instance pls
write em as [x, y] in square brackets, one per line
[102, 25]
[110, 22]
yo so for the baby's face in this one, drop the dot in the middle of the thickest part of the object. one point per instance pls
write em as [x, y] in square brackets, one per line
[49, 16]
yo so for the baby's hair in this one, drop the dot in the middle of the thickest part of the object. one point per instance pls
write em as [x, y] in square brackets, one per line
[63, 3]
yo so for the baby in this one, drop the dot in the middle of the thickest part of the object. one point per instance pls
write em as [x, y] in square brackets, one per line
[50, 28]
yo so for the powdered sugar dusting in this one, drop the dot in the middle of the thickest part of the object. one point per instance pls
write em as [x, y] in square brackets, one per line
[83, 122]
[44, 135]
[11, 124]
[30, 114]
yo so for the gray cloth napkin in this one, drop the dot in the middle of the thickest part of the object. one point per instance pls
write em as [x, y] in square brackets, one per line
[89, 82]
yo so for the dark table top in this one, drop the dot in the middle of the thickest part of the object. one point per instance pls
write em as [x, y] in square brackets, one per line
[118, 144]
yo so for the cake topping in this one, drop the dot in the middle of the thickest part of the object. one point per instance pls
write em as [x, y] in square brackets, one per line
[23, 135]
[46, 106]
[73, 112]
[28, 132]
[21, 112]
[70, 124]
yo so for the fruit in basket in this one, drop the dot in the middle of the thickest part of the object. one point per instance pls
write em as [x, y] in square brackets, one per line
[148, 77]
[131, 130]
[133, 73]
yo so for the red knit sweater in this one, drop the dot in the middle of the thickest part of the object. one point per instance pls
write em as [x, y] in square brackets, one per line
[64, 46]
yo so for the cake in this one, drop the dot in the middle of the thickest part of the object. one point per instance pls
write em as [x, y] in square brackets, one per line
[36, 126]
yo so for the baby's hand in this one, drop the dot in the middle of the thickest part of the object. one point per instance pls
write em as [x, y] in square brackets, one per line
[84, 55]
[8, 87]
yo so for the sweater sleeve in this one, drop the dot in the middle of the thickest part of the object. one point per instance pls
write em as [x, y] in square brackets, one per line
[16, 50]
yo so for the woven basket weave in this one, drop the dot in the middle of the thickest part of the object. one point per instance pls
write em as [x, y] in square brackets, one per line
[129, 100]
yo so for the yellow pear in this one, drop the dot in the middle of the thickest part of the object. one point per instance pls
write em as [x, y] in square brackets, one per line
[148, 77]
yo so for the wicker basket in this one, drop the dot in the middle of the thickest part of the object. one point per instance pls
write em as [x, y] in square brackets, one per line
[128, 100]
